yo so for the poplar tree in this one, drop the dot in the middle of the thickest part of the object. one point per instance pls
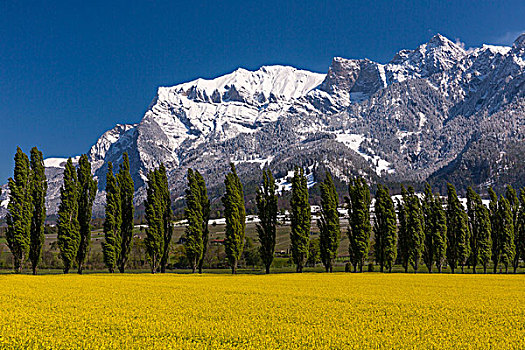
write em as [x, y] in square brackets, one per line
[519, 232]
[158, 217]
[205, 206]
[495, 228]
[167, 215]
[87, 187]
[154, 240]
[266, 199]
[472, 224]
[403, 243]
[112, 222]
[360, 227]
[127, 211]
[385, 229]
[440, 233]
[68, 237]
[20, 210]
[415, 235]
[429, 227]
[330, 231]
[38, 194]
[235, 215]
[193, 234]
[300, 219]
[506, 235]
[480, 227]
[458, 235]
[514, 202]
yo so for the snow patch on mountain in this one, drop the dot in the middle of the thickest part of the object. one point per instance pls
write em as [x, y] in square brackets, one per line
[59, 162]
[284, 184]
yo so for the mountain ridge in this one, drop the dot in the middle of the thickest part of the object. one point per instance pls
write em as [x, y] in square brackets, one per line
[422, 116]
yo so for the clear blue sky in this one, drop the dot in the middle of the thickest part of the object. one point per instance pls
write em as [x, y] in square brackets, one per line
[70, 70]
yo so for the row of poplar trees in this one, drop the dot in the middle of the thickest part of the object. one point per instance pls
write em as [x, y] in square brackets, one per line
[27, 211]
[198, 211]
[435, 233]
[431, 230]
[411, 231]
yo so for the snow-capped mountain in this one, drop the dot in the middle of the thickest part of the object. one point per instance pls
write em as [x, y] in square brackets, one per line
[436, 113]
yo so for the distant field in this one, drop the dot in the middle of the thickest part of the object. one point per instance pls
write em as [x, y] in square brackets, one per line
[285, 311]
[216, 232]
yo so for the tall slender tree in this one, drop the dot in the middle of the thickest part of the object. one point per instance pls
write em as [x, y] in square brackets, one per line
[112, 222]
[440, 233]
[20, 211]
[235, 215]
[360, 228]
[495, 229]
[415, 235]
[167, 215]
[193, 235]
[300, 219]
[506, 234]
[519, 232]
[68, 237]
[480, 230]
[266, 199]
[38, 194]
[158, 217]
[87, 187]
[330, 231]
[403, 242]
[429, 227]
[127, 210]
[385, 229]
[205, 205]
[458, 249]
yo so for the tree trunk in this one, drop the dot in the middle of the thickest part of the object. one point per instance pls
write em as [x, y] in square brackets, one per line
[439, 268]
[79, 270]
[17, 265]
[473, 268]
[234, 268]
[495, 267]
[506, 268]
[267, 269]
[462, 268]
[66, 270]
[430, 269]
[154, 265]
[381, 267]
[406, 268]
[390, 269]
[485, 268]
[121, 268]
[452, 269]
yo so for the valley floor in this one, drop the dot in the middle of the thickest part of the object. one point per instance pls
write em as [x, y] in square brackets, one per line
[286, 311]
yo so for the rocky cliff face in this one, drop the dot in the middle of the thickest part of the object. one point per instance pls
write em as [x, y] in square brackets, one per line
[438, 113]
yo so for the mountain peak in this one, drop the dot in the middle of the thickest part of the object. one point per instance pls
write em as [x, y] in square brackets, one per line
[439, 40]
[519, 43]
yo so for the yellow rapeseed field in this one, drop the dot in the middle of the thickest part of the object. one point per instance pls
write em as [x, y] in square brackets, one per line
[282, 311]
